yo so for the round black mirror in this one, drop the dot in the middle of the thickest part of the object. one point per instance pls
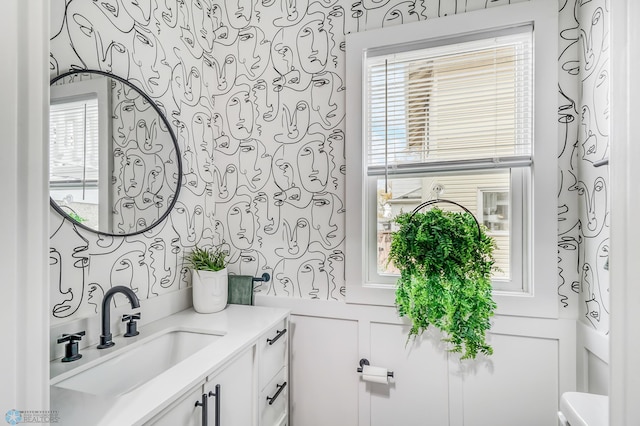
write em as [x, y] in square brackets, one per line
[114, 161]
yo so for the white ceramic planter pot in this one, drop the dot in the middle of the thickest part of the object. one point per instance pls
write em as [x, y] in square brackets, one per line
[209, 290]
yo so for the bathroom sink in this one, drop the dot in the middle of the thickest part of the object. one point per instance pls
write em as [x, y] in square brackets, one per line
[133, 367]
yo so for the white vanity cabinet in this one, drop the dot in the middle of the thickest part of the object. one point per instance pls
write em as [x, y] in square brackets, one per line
[273, 353]
[250, 389]
[231, 391]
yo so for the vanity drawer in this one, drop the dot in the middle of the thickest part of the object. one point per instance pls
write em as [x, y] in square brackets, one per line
[274, 401]
[273, 352]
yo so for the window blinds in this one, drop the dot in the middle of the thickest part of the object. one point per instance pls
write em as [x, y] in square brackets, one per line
[458, 106]
[73, 140]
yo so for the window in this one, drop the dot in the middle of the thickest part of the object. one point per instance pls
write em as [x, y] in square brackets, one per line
[80, 150]
[450, 115]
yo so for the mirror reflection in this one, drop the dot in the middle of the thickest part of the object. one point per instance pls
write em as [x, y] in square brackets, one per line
[113, 162]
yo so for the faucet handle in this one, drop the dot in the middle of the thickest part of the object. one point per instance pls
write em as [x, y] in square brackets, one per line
[71, 347]
[132, 326]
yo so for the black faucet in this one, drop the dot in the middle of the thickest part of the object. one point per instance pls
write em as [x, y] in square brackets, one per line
[105, 337]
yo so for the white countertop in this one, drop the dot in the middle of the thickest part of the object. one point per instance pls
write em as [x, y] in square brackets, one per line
[240, 325]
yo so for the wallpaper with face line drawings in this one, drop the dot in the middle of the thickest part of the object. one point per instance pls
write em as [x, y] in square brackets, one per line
[583, 114]
[255, 92]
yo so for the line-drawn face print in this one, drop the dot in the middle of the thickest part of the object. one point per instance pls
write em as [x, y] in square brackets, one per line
[203, 22]
[286, 63]
[591, 150]
[313, 163]
[147, 134]
[283, 283]
[125, 122]
[255, 163]
[188, 225]
[251, 262]
[336, 271]
[338, 171]
[241, 221]
[121, 20]
[130, 270]
[166, 12]
[602, 260]
[188, 38]
[94, 50]
[601, 99]
[160, 264]
[226, 183]
[139, 10]
[283, 172]
[240, 114]
[124, 216]
[134, 174]
[267, 102]
[204, 144]
[569, 258]
[267, 212]
[401, 13]
[337, 32]
[239, 12]
[295, 122]
[281, 53]
[327, 99]
[592, 36]
[291, 12]
[313, 279]
[186, 85]
[150, 58]
[222, 142]
[312, 42]
[218, 77]
[68, 258]
[327, 213]
[594, 203]
[296, 239]
[253, 52]
[155, 183]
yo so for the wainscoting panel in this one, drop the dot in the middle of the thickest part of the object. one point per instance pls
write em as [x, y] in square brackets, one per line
[533, 364]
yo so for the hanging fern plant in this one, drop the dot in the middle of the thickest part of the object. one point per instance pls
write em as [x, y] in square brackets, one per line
[445, 264]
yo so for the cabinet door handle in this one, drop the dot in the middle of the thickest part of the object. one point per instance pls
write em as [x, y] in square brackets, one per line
[217, 407]
[279, 335]
[203, 404]
[273, 398]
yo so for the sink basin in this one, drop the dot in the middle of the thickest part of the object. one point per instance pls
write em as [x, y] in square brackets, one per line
[133, 367]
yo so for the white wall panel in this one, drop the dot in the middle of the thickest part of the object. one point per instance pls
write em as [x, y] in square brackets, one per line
[518, 385]
[324, 383]
[419, 392]
[532, 365]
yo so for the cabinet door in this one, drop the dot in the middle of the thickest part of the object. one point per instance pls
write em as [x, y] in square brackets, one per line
[184, 412]
[235, 395]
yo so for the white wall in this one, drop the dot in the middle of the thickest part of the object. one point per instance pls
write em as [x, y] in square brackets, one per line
[23, 222]
[625, 200]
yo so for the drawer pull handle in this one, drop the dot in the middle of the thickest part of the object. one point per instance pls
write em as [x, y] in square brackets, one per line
[273, 398]
[279, 335]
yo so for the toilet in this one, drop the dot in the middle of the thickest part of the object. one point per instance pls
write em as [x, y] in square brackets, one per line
[583, 409]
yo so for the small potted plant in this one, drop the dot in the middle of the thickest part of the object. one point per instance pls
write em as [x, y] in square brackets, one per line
[209, 279]
[445, 261]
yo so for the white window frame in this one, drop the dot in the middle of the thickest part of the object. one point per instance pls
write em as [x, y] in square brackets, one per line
[539, 297]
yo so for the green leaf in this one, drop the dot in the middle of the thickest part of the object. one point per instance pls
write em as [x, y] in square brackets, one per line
[445, 277]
